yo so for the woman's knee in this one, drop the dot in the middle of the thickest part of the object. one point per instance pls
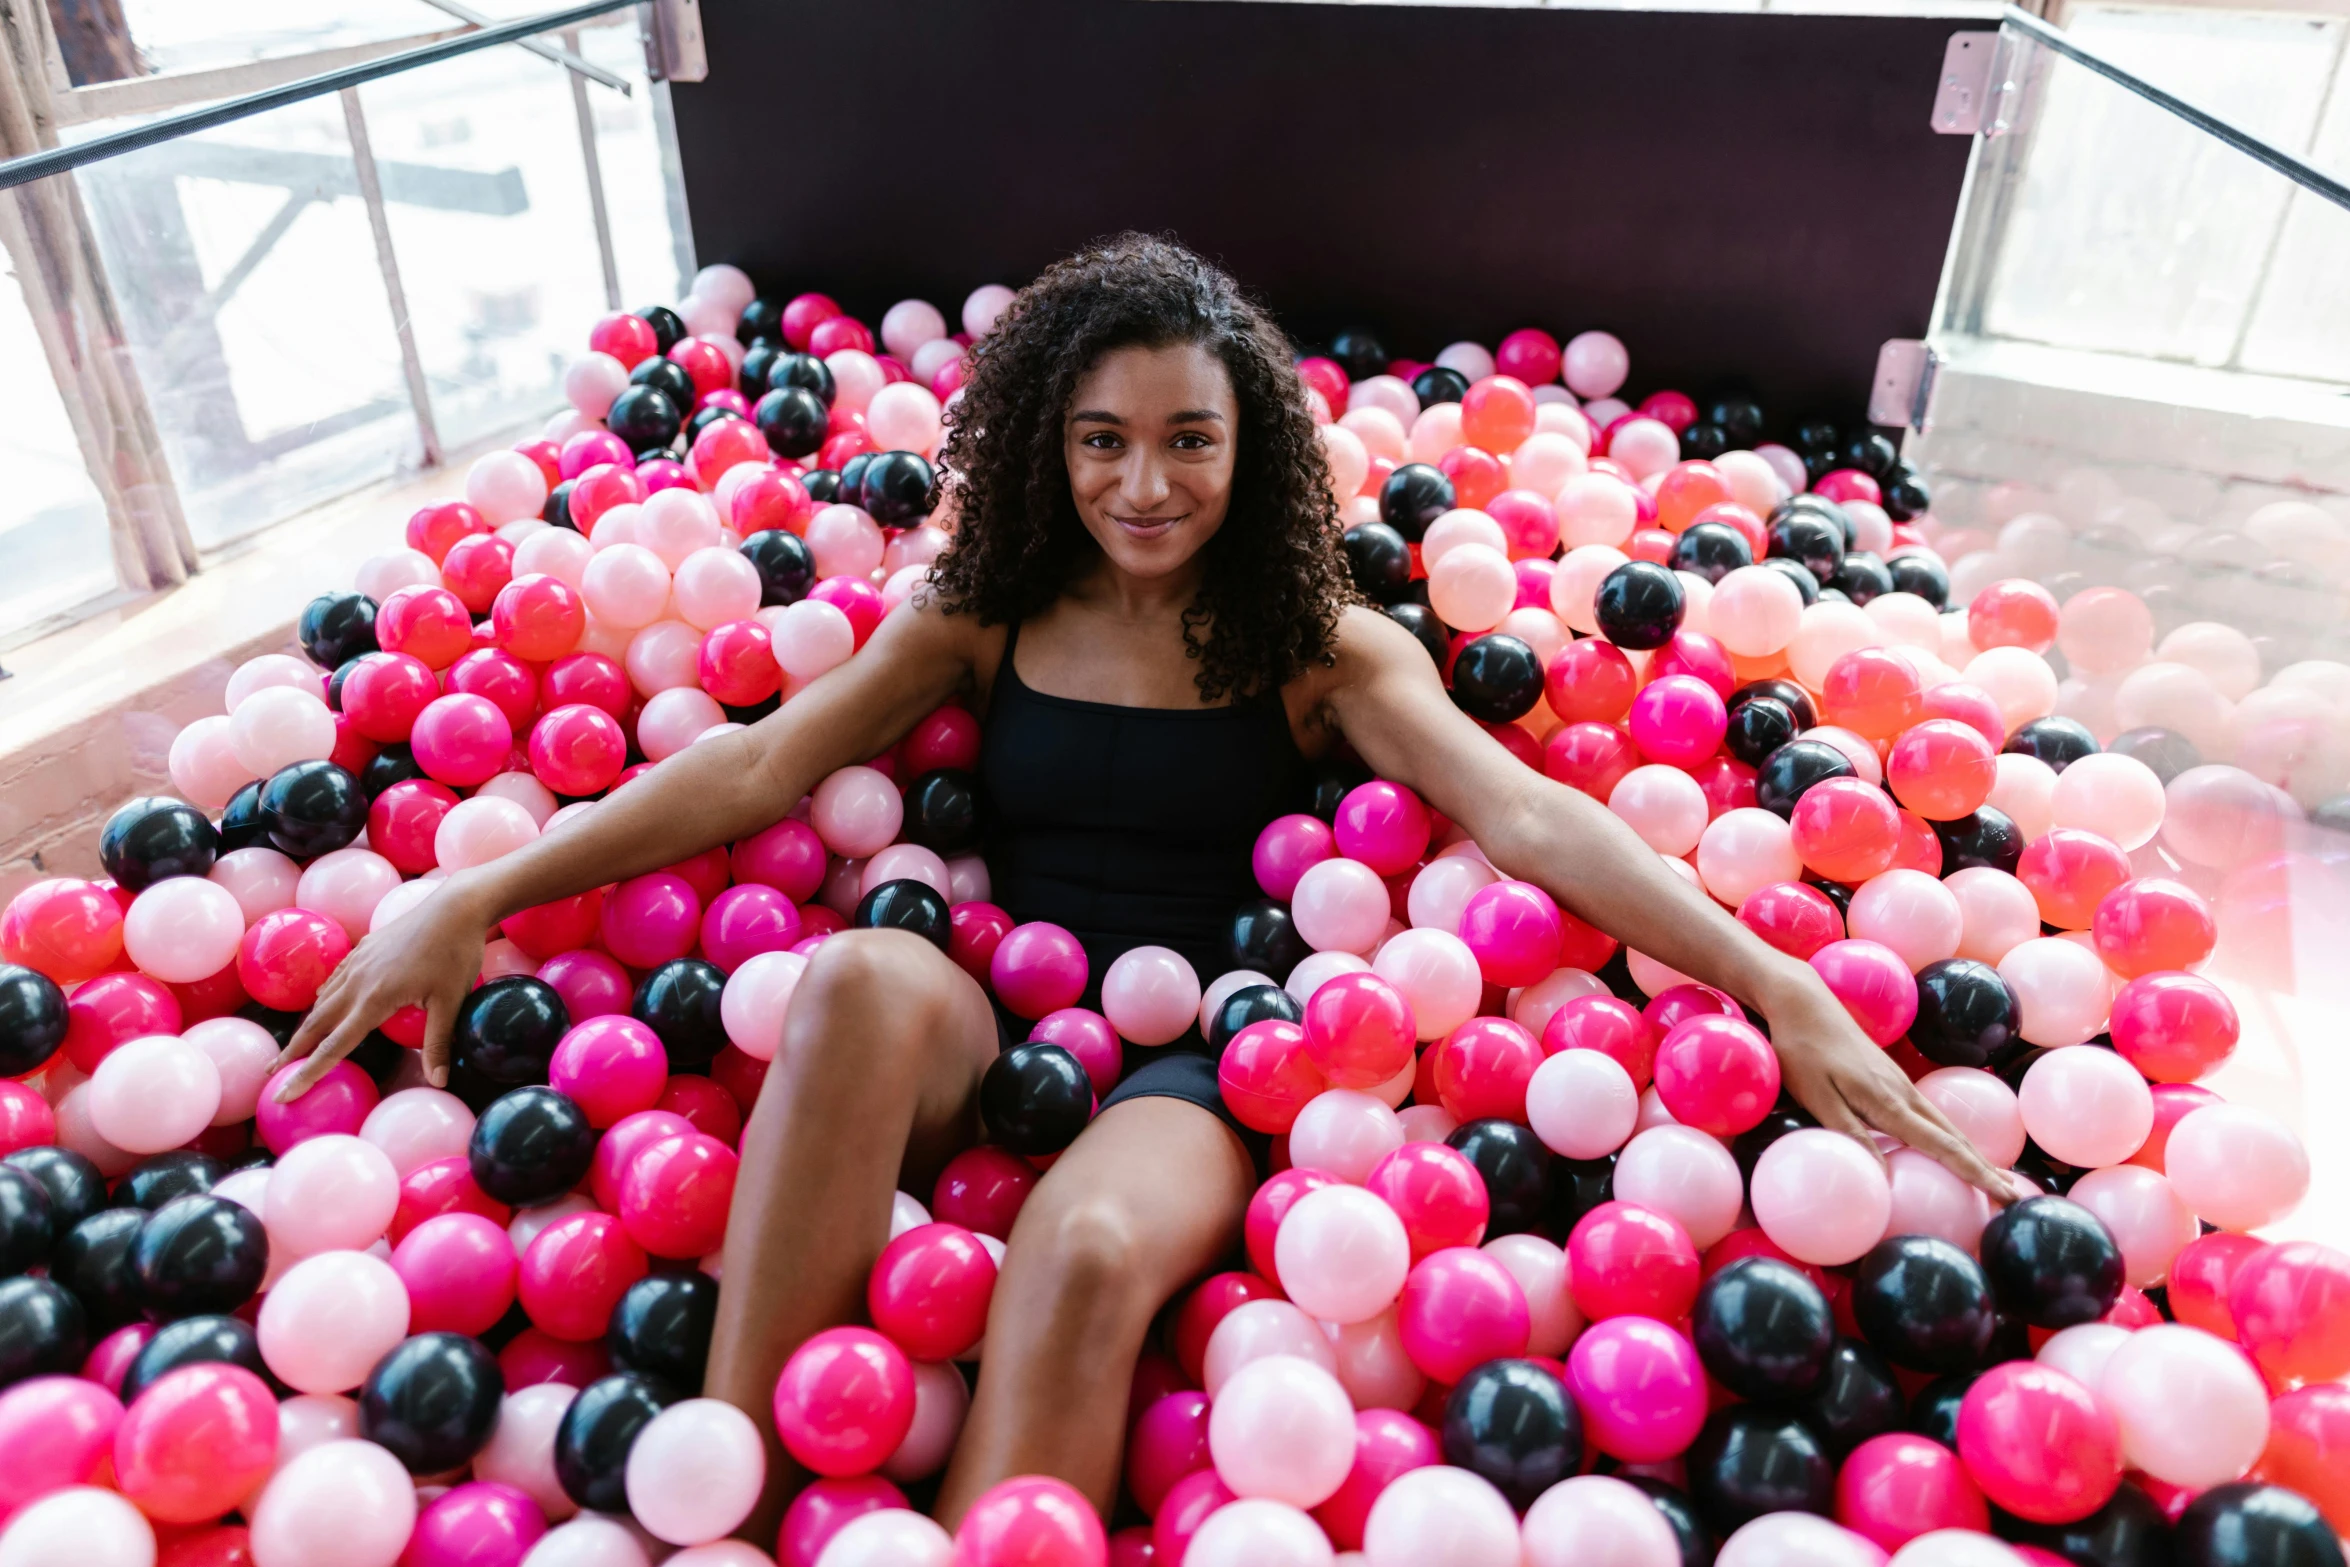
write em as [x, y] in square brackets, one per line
[1086, 1253]
[881, 983]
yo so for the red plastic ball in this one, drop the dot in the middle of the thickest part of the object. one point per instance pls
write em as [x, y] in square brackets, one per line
[1846, 830]
[1267, 1075]
[674, 1195]
[287, 954]
[1437, 1193]
[1477, 475]
[2291, 1305]
[1614, 1028]
[478, 568]
[2068, 871]
[836, 332]
[2013, 613]
[1590, 681]
[112, 1009]
[983, 1189]
[703, 1106]
[503, 680]
[195, 1442]
[2038, 1443]
[1592, 757]
[930, 1290]
[627, 338]
[1796, 918]
[1358, 1031]
[435, 530]
[404, 820]
[67, 928]
[1625, 1260]
[2174, 1028]
[429, 623]
[1497, 414]
[844, 1402]
[1717, 1074]
[704, 363]
[1942, 769]
[385, 692]
[442, 1186]
[736, 664]
[598, 490]
[2201, 1274]
[1482, 1069]
[2151, 924]
[1872, 691]
[538, 617]
[575, 1272]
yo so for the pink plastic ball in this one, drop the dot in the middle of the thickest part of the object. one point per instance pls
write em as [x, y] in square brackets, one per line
[1820, 1197]
[1679, 720]
[1873, 983]
[1150, 995]
[1640, 1388]
[844, 1402]
[1459, 1309]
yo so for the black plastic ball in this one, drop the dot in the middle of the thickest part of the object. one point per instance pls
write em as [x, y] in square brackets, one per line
[507, 1030]
[312, 808]
[646, 419]
[33, 1019]
[1496, 679]
[530, 1145]
[2169, 754]
[2130, 1530]
[93, 1259]
[1923, 1304]
[906, 904]
[942, 811]
[1513, 1423]
[1576, 1187]
[432, 1403]
[787, 570]
[1035, 1098]
[1906, 496]
[26, 1231]
[153, 838]
[1680, 1515]
[1809, 540]
[1421, 622]
[1967, 1014]
[73, 1185]
[1712, 550]
[1261, 936]
[1807, 586]
[1788, 773]
[1639, 605]
[1934, 1411]
[1703, 442]
[760, 322]
[1439, 384]
[704, 418]
[335, 628]
[661, 1328]
[1921, 574]
[1359, 353]
[1250, 1004]
[200, 1256]
[240, 819]
[43, 1331]
[1751, 1459]
[898, 488]
[598, 1429]
[1817, 432]
[1739, 415]
[1764, 1330]
[1414, 496]
[1758, 727]
[1821, 507]
[1861, 577]
[750, 377]
[1379, 560]
[852, 479]
[1516, 1170]
[194, 1341]
[793, 419]
[1796, 700]
[667, 377]
[2246, 1524]
[1871, 452]
[556, 510]
[805, 371]
[822, 485]
[668, 327]
[2059, 742]
[167, 1177]
[395, 763]
[2051, 1263]
[1857, 1399]
[679, 1002]
[1988, 837]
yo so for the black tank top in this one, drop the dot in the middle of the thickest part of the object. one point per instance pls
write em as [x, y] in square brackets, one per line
[1131, 826]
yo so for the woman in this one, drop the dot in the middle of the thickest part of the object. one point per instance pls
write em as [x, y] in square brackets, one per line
[1146, 600]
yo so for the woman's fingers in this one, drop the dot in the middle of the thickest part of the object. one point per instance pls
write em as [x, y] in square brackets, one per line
[440, 1023]
[340, 1040]
[1920, 1123]
[325, 1011]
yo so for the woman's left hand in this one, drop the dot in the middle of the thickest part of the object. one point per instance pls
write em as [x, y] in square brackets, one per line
[1849, 1085]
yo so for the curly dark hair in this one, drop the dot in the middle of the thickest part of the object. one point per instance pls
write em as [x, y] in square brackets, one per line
[1275, 581]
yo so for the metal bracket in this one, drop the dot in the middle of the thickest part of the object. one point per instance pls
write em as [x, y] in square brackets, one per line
[1962, 98]
[674, 51]
[1903, 389]
[567, 58]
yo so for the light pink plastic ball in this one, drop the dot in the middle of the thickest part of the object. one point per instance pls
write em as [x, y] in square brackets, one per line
[416, 1126]
[1929, 1200]
[1582, 1104]
[505, 485]
[2065, 991]
[2108, 793]
[1595, 510]
[1150, 995]
[203, 763]
[243, 1055]
[694, 1471]
[2237, 1167]
[1342, 1254]
[1983, 1108]
[1282, 1428]
[278, 726]
[714, 586]
[856, 811]
[2086, 1106]
[1344, 1132]
[1597, 1521]
[592, 381]
[1594, 364]
[625, 585]
[341, 1504]
[1682, 1173]
[1441, 1517]
[2193, 1411]
[2146, 1216]
[1742, 851]
[1820, 1197]
[904, 417]
[261, 880]
[327, 1193]
[1258, 1532]
[1437, 974]
[1472, 587]
[479, 830]
[329, 1318]
[346, 885]
[1340, 905]
[1256, 1329]
[153, 1094]
[1664, 805]
[1909, 911]
[811, 637]
[1997, 913]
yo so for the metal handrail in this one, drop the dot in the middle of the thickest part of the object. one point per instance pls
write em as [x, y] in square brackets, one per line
[2310, 179]
[57, 160]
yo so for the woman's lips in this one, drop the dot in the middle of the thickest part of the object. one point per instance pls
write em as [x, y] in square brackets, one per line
[1147, 527]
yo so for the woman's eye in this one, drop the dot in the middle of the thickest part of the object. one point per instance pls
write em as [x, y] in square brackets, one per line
[1102, 441]
[1191, 441]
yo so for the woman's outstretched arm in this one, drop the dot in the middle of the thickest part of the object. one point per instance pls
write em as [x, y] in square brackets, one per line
[710, 793]
[1389, 703]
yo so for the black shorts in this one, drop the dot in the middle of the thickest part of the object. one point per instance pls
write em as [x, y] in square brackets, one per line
[1182, 1070]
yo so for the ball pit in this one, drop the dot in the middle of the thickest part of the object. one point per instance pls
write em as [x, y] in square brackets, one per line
[1549, 1268]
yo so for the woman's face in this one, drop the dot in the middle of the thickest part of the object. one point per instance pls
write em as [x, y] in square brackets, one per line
[1149, 441]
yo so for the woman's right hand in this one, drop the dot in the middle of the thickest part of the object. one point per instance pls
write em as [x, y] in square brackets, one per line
[429, 958]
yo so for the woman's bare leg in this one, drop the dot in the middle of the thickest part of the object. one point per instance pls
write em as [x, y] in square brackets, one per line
[876, 1082]
[1146, 1200]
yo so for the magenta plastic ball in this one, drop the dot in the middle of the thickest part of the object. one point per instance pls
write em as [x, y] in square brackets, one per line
[744, 921]
[459, 1270]
[651, 920]
[1873, 983]
[1717, 1074]
[590, 983]
[481, 1523]
[1088, 1036]
[461, 740]
[1284, 851]
[1460, 1308]
[824, 1509]
[844, 1402]
[1037, 968]
[611, 1067]
[1382, 824]
[1514, 929]
[1640, 1388]
[787, 856]
[1678, 720]
[337, 1102]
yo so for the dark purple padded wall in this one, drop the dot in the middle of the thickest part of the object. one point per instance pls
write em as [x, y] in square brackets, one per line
[1755, 195]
